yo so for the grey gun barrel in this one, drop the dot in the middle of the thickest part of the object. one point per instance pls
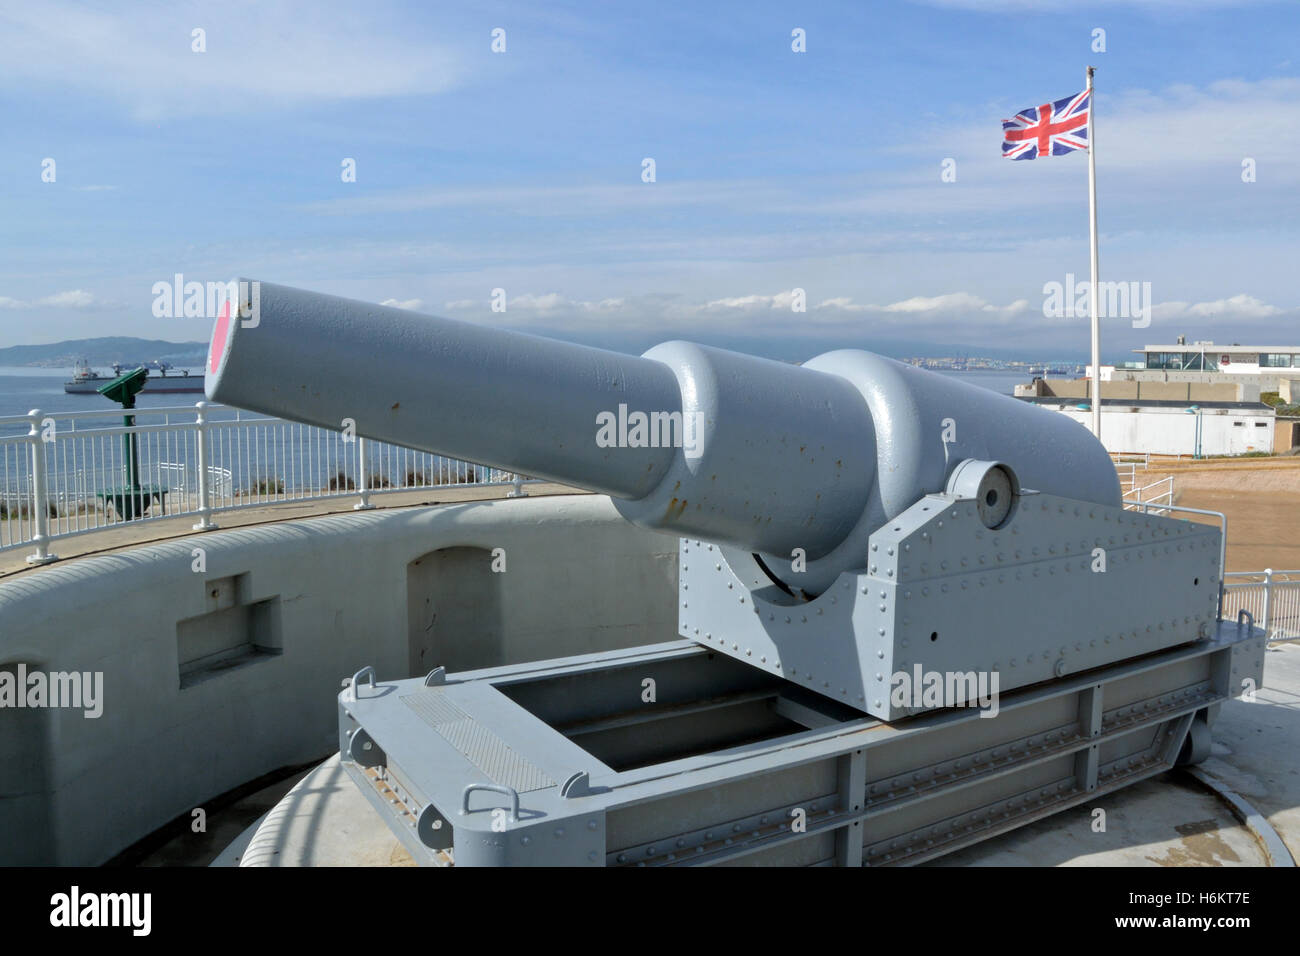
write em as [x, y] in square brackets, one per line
[782, 460]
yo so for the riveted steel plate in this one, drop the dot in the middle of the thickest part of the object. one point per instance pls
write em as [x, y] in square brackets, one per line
[1061, 588]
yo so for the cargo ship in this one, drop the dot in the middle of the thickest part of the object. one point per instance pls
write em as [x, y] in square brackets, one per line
[85, 380]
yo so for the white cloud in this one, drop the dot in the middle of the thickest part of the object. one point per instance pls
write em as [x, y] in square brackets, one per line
[962, 315]
[559, 200]
[953, 301]
[547, 303]
[758, 310]
[1236, 307]
[72, 299]
[781, 300]
[257, 54]
[1153, 149]
[413, 304]
[1216, 125]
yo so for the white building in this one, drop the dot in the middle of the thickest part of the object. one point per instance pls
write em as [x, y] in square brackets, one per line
[1205, 429]
[1256, 368]
[1208, 357]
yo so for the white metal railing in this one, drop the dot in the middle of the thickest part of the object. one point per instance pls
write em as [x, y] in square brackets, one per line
[1271, 597]
[1127, 472]
[1133, 469]
[1157, 496]
[1129, 468]
[66, 474]
[178, 475]
[1140, 459]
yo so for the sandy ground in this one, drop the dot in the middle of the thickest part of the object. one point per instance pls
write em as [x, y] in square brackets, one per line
[1261, 499]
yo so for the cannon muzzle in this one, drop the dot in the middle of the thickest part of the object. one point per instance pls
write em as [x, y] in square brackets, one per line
[795, 463]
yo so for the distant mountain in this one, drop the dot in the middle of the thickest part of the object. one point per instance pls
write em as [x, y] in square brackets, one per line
[105, 351]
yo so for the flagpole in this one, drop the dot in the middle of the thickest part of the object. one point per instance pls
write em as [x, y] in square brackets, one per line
[1092, 295]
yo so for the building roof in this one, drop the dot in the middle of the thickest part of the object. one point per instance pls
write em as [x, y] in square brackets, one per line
[1246, 408]
[1225, 349]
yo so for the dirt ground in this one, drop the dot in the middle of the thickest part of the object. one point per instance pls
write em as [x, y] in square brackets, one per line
[1261, 499]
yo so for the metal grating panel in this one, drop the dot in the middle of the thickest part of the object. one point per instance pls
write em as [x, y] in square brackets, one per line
[490, 754]
[434, 708]
[484, 749]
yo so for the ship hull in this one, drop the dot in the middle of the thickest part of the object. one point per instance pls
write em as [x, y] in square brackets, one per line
[179, 384]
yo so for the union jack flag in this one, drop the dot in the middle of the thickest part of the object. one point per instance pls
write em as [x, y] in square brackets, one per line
[1052, 129]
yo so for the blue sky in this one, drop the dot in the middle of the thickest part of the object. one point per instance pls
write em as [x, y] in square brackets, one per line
[775, 170]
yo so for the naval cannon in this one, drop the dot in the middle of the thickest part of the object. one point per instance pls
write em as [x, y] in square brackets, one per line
[694, 441]
[857, 537]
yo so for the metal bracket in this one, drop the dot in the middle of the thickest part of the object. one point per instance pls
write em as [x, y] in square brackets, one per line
[500, 788]
[363, 751]
[578, 785]
[355, 683]
[433, 829]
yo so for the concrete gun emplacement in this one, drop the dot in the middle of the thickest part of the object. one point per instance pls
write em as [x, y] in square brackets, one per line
[851, 528]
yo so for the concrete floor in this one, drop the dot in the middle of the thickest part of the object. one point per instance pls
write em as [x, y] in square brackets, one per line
[323, 821]
[223, 828]
[1169, 820]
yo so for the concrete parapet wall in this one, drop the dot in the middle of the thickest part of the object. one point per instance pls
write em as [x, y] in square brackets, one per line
[1162, 391]
[1067, 388]
[1180, 390]
[214, 677]
[1251, 382]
